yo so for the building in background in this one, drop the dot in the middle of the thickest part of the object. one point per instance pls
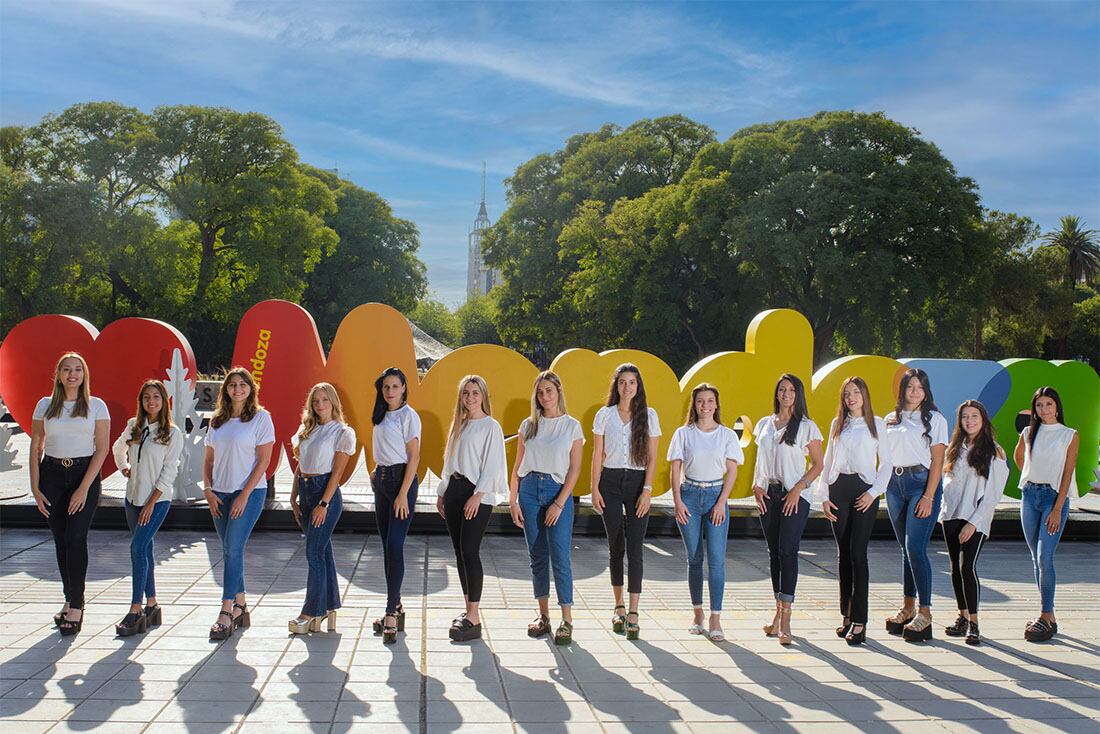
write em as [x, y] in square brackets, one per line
[480, 278]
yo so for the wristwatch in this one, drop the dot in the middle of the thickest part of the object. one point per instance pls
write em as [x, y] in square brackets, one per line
[323, 503]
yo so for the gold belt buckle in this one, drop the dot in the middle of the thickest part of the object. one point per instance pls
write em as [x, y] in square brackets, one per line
[67, 463]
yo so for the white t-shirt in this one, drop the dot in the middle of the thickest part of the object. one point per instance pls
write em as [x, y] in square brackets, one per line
[704, 453]
[548, 451]
[778, 462]
[907, 442]
[856, 451]
[1047, 463]
[616, 436]
[478, 455]
[317, 451]
[68, 437]
[967, 496]
[388, 440]
[234, 446]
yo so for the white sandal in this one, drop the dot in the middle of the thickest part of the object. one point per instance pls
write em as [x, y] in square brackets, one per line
[716, 635]
[696, 629]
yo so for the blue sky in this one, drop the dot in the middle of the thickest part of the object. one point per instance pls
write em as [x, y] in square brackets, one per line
[407, 99]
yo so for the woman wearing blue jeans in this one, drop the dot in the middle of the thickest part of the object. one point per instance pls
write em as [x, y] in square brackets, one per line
[323, 445]
[148, 455]
[1047, 453]
[917, 437]
[704, 456]
[548, 462]
[238, 449]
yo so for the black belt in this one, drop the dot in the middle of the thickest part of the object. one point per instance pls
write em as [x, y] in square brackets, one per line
[67, 463]
[395, 468]
[915, 469]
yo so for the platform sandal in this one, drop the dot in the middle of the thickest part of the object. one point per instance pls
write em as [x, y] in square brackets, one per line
[962, 624]
[896, 623]
[69, 627]
[220, 630]
[844, 628]
[389, 631]
[539, 626]
[632, 628]
[919, 630]
[400, 614]
[244, 619]
[564, 633]
[153, 616]
[618, 621]
[132, 624]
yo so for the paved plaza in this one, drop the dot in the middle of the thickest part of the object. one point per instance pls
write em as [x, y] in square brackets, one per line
[174, 680]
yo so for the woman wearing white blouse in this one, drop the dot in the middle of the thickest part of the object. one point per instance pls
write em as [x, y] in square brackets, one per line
[857, 470]
[917, 438]
[1047, 451]
[148, 455]
[704, 456]
[323, 446]
[474, 479]
[624, 458]
[548, 462]
[783, 486]
[70, 438]
[975, 472]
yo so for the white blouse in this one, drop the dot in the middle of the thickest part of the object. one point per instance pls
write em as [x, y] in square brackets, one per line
[856, 451]
[68, 437]
[234, 445]
[967, 496]
[616, 436]
[1047, 463]
[389, 438]
[152, 464]
[907, 442]
[478, 455]
[778, 462]
[318, 450]
[704, 453]
[548, 450]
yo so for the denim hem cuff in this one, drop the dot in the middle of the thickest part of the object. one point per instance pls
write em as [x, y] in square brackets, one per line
[789, 598]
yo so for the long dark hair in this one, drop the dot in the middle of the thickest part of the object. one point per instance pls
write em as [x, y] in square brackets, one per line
[868, 411]
[1033, 428]
[798, 411]
[981, 451]
[693, 416]
[927, 406]
[141, 418]
[639, 414]
[223, 407]
[380, 405]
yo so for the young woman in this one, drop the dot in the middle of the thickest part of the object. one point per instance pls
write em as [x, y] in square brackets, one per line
[1047, 451]
[474, 479]
[148, 455]
[395, 445]
[783, 487]
[704, 456]
[238, 448]
[917, 438]
[624, 458]
[323, 446]
[70, 438]
[857, 470]
[548, 462]
[974, 476]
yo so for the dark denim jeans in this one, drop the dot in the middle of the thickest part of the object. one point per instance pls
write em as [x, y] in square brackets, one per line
[386, 481]
[784, 536]
[141, 548]
[912, 532]
[234, 534]
[547, 546]
[322, 583]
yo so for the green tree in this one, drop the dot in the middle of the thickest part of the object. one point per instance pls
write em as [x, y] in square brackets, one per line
[474, 320]
[436, 320]
[1083, 253]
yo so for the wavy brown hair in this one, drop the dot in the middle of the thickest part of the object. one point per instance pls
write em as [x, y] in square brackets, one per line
[693, 416]
[798, 410]
[927, 406]
[83, 397]
[1033, 427]
[979, 453]
[164, 418]
[639, 414]
[868, 411]
[223, 407]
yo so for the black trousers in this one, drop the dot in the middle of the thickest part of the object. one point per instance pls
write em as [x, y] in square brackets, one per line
[70, 532]
[386, 482]
[620, 489]
[784, 536]
[466, 534]
[852, 531]
[964, 564]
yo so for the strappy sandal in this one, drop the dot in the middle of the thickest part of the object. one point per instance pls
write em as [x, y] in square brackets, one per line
[919, 630]
[632, 628]
[1040, 630]
[962, 624]
[389, 631]
[896, 623]
[696, 629]
[132, 624]
[68, 627]
[716, 635]
[618, 621]
[539, 626]
[153, 616]
[772, 628]
[784, 633]
[400, 614]
[466, 630]
[564, 635]
[844, 628]
[220, 630]
[244, 619]
[58, 617]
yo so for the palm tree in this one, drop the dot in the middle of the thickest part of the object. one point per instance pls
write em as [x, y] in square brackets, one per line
[1084, 253]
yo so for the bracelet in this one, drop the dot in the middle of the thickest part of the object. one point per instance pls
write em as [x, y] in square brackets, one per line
[926, 497]
[647, 488]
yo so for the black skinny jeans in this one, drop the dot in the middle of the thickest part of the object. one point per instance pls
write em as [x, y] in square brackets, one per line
[784, 535]
[466, 534]
[386, 482]
[852, 531]
[620, 489]
[964, 564]
[70, 532]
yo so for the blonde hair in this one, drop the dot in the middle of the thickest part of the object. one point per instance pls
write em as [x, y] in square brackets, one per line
[461, 417]
[310, 419]
[83, 396]
[223, 408]
[532, 428]
[164, 418]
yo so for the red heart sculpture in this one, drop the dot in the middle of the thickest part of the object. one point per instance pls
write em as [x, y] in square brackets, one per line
[121, 357]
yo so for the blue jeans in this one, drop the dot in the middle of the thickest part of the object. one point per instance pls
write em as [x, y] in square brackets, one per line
[1036, 502]
[700, 532]
[141, 549]
[912, 532]
[322, 583]
[547, 546]
[234, 534]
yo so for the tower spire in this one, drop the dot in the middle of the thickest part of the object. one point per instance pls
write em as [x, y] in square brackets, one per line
[483, 182]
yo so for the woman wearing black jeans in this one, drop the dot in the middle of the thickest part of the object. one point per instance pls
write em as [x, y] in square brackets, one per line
[475, 477]
[624, 457]
[70, 438]
[782, 487]
[395, 445]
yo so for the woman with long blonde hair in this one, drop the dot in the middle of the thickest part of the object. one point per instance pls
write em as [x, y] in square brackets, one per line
[323, 445]
[474, 479]
[70, 438]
